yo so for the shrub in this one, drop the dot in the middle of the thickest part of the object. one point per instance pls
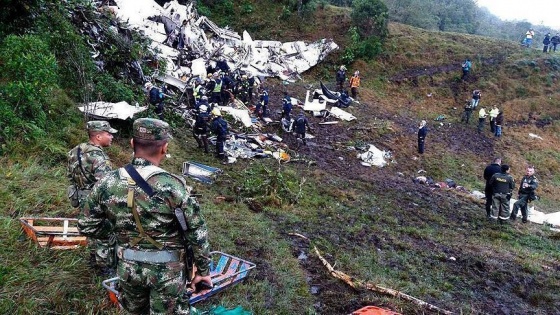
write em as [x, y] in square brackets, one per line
[29, 76]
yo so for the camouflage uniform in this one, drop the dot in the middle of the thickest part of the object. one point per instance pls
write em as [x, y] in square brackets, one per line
[87, 163]
[152, 280]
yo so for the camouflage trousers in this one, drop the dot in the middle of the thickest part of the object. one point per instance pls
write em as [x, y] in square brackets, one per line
[152, 288]
[98, 250]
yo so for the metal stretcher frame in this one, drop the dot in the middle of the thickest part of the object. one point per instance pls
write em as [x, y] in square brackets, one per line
[225, 271]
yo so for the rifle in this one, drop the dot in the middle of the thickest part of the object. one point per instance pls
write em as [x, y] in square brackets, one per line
[189, 254]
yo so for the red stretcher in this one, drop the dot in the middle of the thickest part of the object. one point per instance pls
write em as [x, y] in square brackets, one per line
[225, 270]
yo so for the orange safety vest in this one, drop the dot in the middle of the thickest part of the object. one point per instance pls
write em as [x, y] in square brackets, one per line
[354, 81]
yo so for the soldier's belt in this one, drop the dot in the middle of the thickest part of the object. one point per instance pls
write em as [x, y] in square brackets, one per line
[146, 256]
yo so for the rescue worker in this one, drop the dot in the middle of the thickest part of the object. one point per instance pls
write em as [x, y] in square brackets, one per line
[87, 164]
[252, 82]
[499, 121]
[526, 194]
[355, 84]
[554, 41]
[546, 42]
[481, 119]
[286, 106]
[340, 78]
[156, 98]
[220, 128]
[203, 101]
[300, 126]
[242, 89]
[216, 97]
[489, 171]
[422, 132]
[502, 186]
[261, 110]
[143, 205]
[200, 128]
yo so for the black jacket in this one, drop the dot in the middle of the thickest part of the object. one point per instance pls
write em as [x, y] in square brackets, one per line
[502, 183]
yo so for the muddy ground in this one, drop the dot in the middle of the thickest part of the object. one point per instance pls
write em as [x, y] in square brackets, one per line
[333, 153]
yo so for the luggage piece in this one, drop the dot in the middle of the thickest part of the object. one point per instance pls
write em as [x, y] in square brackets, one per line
[226, 270]
[55, 233]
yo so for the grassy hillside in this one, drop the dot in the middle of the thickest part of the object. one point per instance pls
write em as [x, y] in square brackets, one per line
[373, 224]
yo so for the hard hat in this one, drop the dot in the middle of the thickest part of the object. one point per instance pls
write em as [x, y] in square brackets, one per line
[209, 75]
[216, 75]
[148, 85]
[204, 98]
[216, 112]
[244, 76]
[342, 68]
[203, 108]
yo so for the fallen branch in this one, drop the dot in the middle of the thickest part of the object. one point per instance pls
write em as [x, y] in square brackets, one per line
[360, 285]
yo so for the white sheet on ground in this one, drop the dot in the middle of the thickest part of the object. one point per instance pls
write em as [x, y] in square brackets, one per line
[341, 114]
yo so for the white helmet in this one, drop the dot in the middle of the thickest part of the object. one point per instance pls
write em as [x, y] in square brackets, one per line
[204, 98]
[203, 108]
[148, 85]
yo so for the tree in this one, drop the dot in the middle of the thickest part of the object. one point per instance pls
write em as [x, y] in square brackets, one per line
[370, 18]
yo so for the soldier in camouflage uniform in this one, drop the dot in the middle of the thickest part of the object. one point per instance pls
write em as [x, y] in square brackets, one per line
[140, 204]
[87, 163]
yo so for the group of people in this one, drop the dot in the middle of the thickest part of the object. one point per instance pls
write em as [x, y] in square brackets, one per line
[141, 221]
[494, 114]
[499, 189]
[549, 42]
[353, 83]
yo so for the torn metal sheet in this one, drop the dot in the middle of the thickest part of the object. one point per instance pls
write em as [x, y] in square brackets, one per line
[373, 156]
[241, 115]
[261, 58]
[314, 105]
[200, 172]
[341, 114]
[104, 110]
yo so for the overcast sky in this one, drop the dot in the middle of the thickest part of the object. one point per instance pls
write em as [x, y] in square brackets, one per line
[537, 12]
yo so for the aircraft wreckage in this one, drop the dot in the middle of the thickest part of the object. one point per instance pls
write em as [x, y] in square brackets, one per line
[206, 43]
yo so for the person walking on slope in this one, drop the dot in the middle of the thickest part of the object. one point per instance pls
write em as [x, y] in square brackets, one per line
[546, 42]
[489, 171]
[526, 194]
[555, 40]
[502, 186]
[154, 218]
[481, 119]
[466, 67]
[476, 94]
[87, 164]
[529, 38]
[355, 84]
[422, 132]
[499, 123]
[467, 113]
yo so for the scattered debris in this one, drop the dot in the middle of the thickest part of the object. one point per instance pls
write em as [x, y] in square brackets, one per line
[532, 135]
[374, 156]
[104, 110]
[210, 43]
[200, 172]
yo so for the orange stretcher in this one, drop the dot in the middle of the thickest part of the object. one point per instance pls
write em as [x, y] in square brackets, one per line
[225, 270]
[55, 233]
